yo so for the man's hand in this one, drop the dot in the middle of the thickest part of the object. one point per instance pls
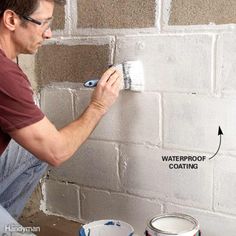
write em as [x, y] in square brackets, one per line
[107, 90]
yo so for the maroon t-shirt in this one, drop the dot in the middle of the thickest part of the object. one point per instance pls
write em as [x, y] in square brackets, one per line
[17, 107]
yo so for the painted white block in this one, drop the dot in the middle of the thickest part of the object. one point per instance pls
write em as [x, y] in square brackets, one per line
[211, 223]
[144, 173]
[96, 205]
[171, 62]
[225, 185]
[133, 118]
[62, 199]
[191, 122]
[82, 99]
[226, 63]
[57, 105]
[95, 164]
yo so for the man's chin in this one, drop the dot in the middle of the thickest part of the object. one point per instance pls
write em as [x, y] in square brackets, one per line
[32, 51]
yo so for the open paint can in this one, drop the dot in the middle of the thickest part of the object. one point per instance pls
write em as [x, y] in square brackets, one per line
[173, 224]
[107, 228]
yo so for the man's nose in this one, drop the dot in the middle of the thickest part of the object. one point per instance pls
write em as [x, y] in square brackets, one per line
[47, 34]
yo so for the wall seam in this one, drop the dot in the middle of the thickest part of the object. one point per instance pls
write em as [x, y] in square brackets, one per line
[161, 120]
[213, 65]
[159, 7]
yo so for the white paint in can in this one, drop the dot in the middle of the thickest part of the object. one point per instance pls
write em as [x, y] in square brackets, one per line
[173, 224]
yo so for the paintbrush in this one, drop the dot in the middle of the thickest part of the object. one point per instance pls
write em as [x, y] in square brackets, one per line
[132, 73]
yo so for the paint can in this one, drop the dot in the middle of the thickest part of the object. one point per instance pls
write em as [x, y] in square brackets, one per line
[107, 228]
[173, 224]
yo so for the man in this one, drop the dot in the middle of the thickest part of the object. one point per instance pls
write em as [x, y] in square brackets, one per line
[24, 129]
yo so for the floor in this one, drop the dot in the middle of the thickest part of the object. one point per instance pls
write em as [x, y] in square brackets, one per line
[51, 225]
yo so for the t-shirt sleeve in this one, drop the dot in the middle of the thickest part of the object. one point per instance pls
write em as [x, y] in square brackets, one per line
[17, 106]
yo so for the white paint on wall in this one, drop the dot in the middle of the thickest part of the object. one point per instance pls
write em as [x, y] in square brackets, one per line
[166, 5]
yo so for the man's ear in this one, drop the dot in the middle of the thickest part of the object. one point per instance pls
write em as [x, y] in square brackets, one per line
[10, 19]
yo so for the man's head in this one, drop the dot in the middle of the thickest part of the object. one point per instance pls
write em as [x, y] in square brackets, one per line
[27, 23]
[22, 7]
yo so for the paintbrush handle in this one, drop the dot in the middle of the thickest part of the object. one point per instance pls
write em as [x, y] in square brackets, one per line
[92, 83]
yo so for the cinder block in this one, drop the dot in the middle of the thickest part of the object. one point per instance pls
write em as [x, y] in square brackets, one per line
[116, 14]
[133, 118]
[95, 164]
[171, 62]
[62, 199]
[191, 12]
[144, 173]
[225, 185]
[96, 205]
[191, 122]
[59, 17]
[57, 105]
[211, 223]
[27, 64]
[226, 63]
[71, 63]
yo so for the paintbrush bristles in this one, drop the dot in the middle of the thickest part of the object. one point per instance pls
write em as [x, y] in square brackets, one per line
[133, 74]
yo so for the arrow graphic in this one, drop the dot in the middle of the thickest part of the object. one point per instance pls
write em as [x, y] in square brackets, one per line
[219, 133]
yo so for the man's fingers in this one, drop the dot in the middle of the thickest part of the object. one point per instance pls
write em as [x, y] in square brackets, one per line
[113, 79]
[105, 77]
[108, 88]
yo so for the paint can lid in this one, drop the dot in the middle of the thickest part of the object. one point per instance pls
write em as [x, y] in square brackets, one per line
[174, 224]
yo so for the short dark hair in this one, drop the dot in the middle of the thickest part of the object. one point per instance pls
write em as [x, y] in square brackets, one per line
[23, 7]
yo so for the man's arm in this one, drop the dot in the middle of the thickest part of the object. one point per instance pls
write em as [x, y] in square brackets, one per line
[56, 146]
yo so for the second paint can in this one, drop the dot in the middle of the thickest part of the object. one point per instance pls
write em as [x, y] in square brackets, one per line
[173, 224]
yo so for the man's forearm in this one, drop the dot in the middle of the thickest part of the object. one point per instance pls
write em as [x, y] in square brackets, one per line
[79, 130]
[56, 146]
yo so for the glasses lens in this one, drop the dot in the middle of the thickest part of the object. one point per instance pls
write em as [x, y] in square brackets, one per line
[47, 24]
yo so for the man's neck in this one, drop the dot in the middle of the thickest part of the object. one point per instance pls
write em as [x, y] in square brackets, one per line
[6, 47]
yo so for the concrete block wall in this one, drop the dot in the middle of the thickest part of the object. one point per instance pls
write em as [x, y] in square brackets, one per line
[189, 56]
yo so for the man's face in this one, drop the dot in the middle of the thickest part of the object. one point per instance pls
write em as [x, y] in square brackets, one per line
[29, 37]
